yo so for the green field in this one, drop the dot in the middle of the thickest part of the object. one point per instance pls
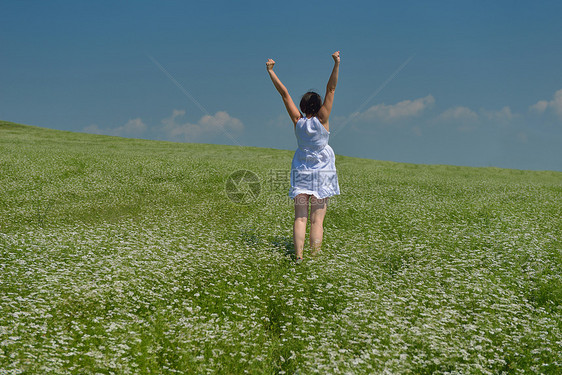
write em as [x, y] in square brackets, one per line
[122, 256]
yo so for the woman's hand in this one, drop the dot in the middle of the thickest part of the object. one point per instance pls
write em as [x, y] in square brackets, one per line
[269, 64]
[324, 112]
[336, 57]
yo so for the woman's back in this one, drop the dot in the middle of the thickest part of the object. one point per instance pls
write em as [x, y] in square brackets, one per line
[311, 134]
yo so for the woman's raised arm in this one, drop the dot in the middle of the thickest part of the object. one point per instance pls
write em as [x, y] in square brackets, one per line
[287, 100]
[326, 109]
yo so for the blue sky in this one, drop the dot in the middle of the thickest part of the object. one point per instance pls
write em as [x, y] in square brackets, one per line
[482, 85]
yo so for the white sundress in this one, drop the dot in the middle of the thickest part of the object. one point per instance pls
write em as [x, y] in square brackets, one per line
[313, 169]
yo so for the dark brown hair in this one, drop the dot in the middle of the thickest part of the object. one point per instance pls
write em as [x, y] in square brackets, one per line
[311, 103]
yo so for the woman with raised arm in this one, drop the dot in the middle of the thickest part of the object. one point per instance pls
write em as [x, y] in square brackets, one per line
[313, 169]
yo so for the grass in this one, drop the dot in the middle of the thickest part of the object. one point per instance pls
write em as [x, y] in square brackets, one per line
[122, 256]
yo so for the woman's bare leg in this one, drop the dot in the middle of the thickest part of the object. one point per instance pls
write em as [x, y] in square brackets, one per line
[317, 214]
[299, 227]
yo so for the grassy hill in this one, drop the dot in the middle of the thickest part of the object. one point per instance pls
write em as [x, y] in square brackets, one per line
[122, 256]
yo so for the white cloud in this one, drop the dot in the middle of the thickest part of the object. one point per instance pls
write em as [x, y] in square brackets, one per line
[555, 104]
[133, 128]
[400, 110]
[458, 113]
[93, 129]
[463, 118]
[503, 115]
[539, 106]
[173, 129]
[207, 126]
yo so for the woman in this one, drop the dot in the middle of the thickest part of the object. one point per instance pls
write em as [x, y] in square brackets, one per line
[313, 169]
